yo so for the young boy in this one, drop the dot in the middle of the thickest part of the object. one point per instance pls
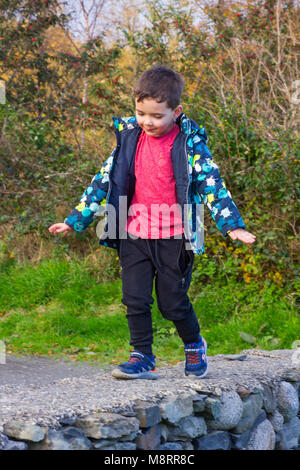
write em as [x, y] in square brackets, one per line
[161, 161]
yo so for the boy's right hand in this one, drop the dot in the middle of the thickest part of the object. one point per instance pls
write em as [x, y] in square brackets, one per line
[60, 228]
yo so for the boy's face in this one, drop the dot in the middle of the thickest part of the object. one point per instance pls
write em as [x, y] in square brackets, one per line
[155, 118]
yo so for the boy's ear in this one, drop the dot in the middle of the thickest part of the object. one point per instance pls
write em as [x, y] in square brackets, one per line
[177, 111]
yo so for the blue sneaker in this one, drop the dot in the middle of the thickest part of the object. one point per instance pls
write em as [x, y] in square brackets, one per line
[196, 359]
[139, 366]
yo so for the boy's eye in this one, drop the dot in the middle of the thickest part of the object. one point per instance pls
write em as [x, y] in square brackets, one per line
[142, 114]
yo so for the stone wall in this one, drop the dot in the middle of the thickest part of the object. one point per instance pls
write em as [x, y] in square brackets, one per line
[265, 417]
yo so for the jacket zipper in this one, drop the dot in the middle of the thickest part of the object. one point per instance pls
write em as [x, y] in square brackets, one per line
[114, 157]
[187, 165]
[109, 182]
[186, 194]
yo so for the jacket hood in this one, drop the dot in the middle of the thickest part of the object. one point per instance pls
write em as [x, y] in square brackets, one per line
[185, 124]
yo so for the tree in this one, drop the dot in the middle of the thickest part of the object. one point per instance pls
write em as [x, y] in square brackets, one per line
[88, 25]
[43, 73]
[240, 63]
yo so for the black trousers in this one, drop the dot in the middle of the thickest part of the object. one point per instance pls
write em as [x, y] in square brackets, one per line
[170, 264]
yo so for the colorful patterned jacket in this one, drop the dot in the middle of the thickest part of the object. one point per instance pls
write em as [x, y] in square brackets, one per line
[197, 177]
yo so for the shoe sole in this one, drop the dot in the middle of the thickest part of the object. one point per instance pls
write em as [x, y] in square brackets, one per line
[207, 368]
[118, 374]
[198, 376]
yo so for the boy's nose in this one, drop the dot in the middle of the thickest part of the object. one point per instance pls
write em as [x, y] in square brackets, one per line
[148, 122]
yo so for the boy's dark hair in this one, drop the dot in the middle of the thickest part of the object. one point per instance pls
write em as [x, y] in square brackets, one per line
[160, 83]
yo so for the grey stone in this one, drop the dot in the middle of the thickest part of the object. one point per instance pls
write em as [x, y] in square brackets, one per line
[269, 398]
[288, 402]
[216, 440]
[189, 427]
[260, 418]
[231, 409]
[128, 414]
[296, 386]
[164, 432]
[212, 408]
[186, 445]
[204, 387]
[278, 442]
[277, 420]
[148, 415]
[3, 440]
[108, 426]
[24, 431]
[67, 420]
[251, 408]
[240, 441]
[263, 437]
[175, 408]
[69, 438]
[235, 357]
[170, 446]
[292, 375]
[14, 445]
[199, 402]
[243, 391]
[149, 439]
[289, 434]
[104, 444]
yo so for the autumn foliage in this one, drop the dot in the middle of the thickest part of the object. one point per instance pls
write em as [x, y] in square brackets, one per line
[240, 61]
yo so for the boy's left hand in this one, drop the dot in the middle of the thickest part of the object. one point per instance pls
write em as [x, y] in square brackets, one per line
[243, 235]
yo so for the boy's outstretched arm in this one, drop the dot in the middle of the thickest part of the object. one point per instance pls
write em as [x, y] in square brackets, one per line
[242, 235]
[89, 206]
[212, 190]
[60, 228]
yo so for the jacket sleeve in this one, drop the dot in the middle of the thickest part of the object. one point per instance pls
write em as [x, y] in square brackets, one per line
[93, 200]
[212, 190]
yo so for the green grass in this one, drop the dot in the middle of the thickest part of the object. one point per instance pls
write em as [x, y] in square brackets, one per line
[59, 309]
